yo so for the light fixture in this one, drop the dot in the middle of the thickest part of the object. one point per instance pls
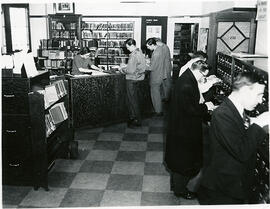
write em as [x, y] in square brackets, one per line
[137, 2]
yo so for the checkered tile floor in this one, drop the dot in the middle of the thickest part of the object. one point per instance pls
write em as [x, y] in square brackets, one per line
[117, 166]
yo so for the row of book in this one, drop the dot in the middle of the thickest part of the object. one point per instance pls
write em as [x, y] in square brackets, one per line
[111, 51]
[58, 54]
[57, 114]
[113, 60]
[53, 54]
[89, 43]
[100, 35]
[90, 34]
[63, 26]
[109, 43]
[54, 64]
[53, 43]
[108, 26]
[120, 35]
[63, 34]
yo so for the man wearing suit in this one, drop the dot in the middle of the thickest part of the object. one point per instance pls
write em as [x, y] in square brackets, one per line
[157, 74]
[183, 155]
[167, 82]
[227, 178]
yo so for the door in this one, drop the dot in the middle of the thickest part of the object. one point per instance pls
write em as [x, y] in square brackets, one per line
[185, 41]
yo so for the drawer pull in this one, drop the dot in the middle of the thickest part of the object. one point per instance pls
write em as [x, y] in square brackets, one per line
[9, 95]
[14, 165]
[11, 131]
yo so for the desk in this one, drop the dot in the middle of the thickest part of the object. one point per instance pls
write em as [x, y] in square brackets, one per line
[101, 99]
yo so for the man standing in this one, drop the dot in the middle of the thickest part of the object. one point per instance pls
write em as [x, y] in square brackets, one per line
[134, 71]
[184, 145]
[166, 82]
[157, 74]
[227, 178]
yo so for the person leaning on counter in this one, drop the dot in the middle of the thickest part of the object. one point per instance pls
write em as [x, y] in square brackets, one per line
[82, 62]
[135, 72]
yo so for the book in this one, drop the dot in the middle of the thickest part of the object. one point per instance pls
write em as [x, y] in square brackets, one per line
[50, 95]
[18, 58]
[29, 65]
[50, 127]
[7, 62]
[58, 113]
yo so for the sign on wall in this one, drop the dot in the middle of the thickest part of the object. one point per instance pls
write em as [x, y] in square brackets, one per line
[153, 31]
[153, 26]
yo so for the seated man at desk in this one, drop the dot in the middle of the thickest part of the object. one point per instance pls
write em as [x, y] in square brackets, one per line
[82, 62]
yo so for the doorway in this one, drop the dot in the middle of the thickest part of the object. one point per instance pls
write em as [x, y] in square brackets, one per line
[185, 41]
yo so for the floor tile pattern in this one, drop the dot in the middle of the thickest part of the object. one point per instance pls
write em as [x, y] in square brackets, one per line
[116, 166]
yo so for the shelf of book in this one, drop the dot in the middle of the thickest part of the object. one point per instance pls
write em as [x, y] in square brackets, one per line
[26, 144]
[110, 36]
[63, 43]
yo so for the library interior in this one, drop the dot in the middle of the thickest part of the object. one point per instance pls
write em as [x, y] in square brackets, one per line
[134, 103]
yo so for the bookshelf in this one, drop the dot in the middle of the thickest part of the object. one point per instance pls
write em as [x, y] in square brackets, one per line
[28, 149]
[57, 52]
[185, 41]
[110, 37]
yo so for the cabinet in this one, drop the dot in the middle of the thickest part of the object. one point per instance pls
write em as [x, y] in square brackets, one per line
[27, 153]
[109, 37]
[228, 67]
[101, 100]
[57, 52]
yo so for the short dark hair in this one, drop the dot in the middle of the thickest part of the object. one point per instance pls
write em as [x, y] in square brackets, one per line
[246, 79]
[84, 50]
[130, 41]
[199, 65]
[151, 41]
[157, 39]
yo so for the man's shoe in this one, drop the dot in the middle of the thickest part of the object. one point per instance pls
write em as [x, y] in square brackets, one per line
[160, 114]
[137, 123]
[134, 123]
[186, 195]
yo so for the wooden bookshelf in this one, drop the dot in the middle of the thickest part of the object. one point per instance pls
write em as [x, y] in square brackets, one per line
[27, 153]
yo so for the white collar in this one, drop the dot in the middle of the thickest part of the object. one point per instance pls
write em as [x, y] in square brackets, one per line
[236, 103]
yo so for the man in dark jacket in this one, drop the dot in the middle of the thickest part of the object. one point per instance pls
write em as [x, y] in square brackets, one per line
[227, 179]
[183, 154]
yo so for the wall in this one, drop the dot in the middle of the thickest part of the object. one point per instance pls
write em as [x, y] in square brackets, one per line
[261, 38]
[160, 8]
[176, 10]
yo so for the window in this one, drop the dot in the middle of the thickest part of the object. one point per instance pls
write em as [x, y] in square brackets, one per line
[16, 27]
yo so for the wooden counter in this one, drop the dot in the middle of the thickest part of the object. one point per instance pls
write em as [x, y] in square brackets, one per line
[100, 100]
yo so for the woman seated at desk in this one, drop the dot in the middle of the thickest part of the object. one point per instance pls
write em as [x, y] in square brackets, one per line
[82, 62]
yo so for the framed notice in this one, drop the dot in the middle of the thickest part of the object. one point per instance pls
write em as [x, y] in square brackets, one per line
[153, 31]
[64, 8]
[203, 39]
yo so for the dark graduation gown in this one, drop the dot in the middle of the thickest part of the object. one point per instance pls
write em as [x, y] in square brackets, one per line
[183, 153]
